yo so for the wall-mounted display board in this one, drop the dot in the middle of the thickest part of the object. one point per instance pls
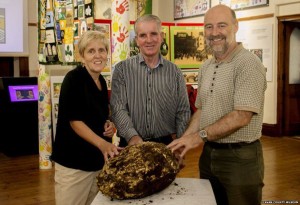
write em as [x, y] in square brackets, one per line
[190, 8]
[259, 40]
[14, 28]
[244, 4]
[190, 76]
[188, 45]
[61, 23]
[165, 48]
[56, 82]
[104, 26]
[137, 8]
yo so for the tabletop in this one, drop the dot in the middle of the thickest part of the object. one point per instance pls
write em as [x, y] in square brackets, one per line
[189, 191]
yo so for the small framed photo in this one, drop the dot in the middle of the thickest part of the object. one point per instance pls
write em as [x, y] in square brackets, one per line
[190, 76]
[104, 26]
[244, 4]
[190, 8]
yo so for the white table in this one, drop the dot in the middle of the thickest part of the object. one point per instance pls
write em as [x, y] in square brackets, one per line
[189, 191]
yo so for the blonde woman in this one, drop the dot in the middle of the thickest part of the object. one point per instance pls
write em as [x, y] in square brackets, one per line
[84, 133]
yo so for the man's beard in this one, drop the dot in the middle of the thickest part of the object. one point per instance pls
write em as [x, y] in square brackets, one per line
[217, 50]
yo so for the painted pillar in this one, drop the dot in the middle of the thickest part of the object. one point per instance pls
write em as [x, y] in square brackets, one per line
[44, 114]
[120, 30]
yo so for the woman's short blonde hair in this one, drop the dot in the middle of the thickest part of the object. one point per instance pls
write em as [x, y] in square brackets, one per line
[90, 36]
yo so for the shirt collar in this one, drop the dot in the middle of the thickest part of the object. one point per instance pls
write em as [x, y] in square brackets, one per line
[142, 60]
[229, 58]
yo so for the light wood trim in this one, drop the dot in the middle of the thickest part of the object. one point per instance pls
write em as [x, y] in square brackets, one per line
[256, 17]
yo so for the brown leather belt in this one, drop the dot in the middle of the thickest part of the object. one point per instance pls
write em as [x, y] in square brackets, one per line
[237, 145]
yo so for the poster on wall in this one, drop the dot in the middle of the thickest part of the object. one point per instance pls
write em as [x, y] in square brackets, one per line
[107, 77]
[241, 4]
[56, 82]
[188, 45]
[258, 40]
[134, 49]
[2, 25]
[103, 11]
[143, 7]
[13, 28]
[190, 76]
[104, 26]
[63, 23]
[165, 48]
[190, 8]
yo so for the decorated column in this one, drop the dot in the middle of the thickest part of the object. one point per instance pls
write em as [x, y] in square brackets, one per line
[120, 30]
[44, 114]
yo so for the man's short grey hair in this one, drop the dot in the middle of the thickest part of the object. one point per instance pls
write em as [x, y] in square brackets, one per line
[147, 18]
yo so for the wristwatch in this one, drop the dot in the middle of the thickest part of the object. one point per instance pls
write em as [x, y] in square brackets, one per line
[203, 135]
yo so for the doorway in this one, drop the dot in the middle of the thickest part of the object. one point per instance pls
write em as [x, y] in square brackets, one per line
[288, 94]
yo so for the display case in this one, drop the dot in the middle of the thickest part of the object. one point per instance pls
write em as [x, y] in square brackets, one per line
[19, 115]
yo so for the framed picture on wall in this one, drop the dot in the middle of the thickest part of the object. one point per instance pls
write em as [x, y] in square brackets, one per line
[56, 82]
[104, 26]
[190, 8]
[187, 41]
[244, 4]
[134, 49]
[165, 48]
[103, 8]
[190, 76]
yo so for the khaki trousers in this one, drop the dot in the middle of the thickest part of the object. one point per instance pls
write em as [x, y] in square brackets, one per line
[74, 187]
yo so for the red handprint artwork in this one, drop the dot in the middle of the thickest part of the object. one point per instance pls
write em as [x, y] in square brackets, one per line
[123, 33]
[124, 6]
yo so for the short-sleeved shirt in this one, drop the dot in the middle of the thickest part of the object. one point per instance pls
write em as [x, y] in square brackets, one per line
[236, 83]
[149, 102]
[80, 99]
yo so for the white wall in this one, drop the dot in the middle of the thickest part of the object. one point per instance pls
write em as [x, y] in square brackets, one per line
[164, 9]
[33, 37]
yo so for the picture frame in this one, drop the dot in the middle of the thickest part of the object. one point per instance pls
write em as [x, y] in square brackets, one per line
[103, 11]
[104, 26]
[190, 8]
[56, 82]
[190, 76]
[134, 49]
[244, 4]
[188, 45]
[165, 48]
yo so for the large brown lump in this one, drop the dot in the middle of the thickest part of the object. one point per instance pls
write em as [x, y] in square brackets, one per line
[138, 171]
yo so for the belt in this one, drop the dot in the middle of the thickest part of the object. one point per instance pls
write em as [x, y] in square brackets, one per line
[236, 145]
